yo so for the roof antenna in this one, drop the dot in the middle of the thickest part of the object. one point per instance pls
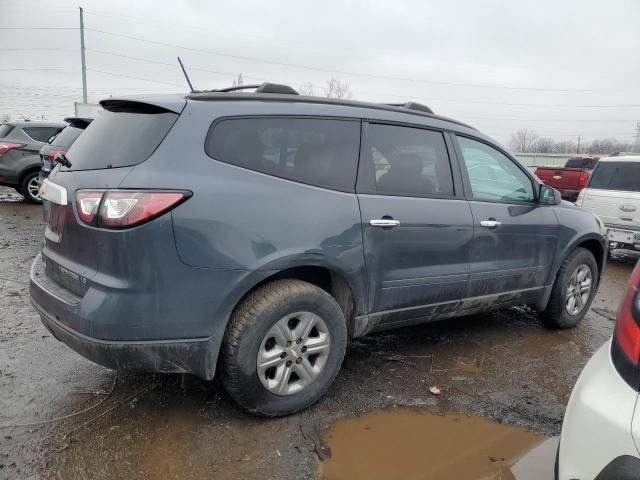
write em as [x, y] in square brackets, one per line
[185, 75]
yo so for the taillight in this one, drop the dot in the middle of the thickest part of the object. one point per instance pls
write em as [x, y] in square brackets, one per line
[625, 349]
[87, 203]
[6, 146]
[125, 208]
[54, 153]
[583, 179]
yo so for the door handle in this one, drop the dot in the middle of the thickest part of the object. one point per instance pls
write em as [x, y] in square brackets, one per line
[490, 223]
[384, 222]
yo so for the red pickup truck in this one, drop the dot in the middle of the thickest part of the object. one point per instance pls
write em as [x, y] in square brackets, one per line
[571, 178]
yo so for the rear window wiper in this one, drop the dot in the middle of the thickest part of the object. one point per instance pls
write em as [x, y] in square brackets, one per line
[62, 159]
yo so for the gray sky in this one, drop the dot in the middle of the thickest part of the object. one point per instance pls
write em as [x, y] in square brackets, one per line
[576, 63]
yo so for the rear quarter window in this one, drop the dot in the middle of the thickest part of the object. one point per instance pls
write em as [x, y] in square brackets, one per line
[621, 176]
[41, 134]
[120, 138]
[5, 130]
[321, 152]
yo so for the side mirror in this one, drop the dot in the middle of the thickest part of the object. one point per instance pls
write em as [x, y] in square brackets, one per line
[549, 196]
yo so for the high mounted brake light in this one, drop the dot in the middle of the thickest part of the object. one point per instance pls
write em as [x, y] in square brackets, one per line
[119, 209]
[6, 146]
[625, 349]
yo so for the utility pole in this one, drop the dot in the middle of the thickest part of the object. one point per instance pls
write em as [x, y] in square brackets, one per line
[579, 138]
[84, 65]
[637, 135]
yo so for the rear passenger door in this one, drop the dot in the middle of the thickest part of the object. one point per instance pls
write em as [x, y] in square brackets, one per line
[417, 226]
[515, 237]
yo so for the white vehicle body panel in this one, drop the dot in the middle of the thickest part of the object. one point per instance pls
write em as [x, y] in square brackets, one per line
[597, 423]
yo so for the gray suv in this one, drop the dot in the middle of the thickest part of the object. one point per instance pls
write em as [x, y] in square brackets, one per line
[20, 143]
[256, 233]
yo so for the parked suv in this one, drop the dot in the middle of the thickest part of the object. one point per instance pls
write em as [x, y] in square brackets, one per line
[19, 159]
[613, 193]
[260, 232]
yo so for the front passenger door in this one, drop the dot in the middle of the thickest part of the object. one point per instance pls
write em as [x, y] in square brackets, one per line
[416, 224]
[515, 237]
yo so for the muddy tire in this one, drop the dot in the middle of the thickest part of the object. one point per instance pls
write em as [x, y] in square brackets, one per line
[573, 290]
[283, 348]
[29, 187]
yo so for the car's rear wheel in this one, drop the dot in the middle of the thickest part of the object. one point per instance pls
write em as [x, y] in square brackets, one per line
[283, 347]
[29, 187]
[573, 291]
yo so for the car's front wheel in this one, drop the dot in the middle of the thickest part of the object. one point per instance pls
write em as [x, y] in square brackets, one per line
[30, 186]
[283, 347]
[573, 291]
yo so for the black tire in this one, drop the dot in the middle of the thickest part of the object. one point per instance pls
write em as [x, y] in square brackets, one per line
[249, 325]
[556, 314]
[26, 187]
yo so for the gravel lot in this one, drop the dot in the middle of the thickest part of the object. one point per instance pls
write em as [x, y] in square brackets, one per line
[503, 365]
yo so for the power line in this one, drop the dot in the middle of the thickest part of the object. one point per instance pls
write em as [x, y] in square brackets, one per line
[430, 99]
[172, 65]
[287, 43]
[39, 49]
[33, 69]
[345, 72]
[38, 28]
[135, 78]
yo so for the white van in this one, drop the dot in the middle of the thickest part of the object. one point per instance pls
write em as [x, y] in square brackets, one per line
[613, 194]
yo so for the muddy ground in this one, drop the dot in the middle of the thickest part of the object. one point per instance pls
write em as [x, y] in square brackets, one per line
[504, 366]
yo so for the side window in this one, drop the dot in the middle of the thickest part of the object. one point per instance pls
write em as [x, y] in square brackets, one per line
[314, 151]
[41, 134]
[493, 175]
[410, 161]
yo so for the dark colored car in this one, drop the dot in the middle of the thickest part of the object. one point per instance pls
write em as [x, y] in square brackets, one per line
[257, 233]
[59, 145]
[20, 143]
[570, 179]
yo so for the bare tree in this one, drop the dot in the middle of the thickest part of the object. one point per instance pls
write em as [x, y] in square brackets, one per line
[335, 88]
[523, 141]
[238, 82]
[307, 89]
[544, 145]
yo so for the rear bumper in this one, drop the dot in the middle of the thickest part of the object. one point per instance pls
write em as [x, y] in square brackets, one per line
[597, 424]
[60, 309]
[169, 356]
[622, 237]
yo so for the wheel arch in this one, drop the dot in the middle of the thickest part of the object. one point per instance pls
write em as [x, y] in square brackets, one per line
[592, 242]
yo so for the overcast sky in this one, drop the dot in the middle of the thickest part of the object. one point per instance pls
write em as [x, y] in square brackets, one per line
[574, 63]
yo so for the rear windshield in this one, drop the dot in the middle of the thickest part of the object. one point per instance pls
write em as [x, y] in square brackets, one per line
[578, 163]
[120, 139]
[621, 176]
[5, 129]
[66, 137]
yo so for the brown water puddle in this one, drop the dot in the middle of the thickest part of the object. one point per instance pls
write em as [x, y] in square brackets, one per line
[418, 444]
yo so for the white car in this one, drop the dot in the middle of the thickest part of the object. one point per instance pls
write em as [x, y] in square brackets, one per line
[613, 194]
[601, 429]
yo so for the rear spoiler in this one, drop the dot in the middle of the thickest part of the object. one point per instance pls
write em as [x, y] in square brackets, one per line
[145, 104]
[78, 122]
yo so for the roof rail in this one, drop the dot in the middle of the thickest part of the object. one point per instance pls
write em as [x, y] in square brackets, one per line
[261, 88]
[412, 106]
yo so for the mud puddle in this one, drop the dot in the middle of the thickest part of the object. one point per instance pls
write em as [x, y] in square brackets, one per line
[420, 444]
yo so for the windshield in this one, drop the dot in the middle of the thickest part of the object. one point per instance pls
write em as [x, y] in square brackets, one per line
[621, 176]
